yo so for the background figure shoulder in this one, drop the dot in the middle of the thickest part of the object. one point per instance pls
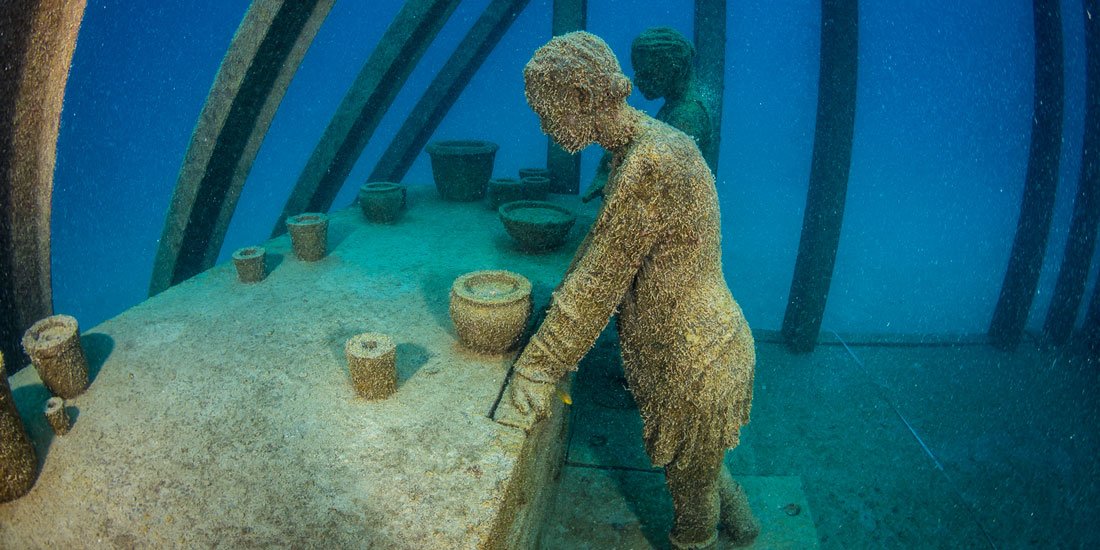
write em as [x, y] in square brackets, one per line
[664, 67]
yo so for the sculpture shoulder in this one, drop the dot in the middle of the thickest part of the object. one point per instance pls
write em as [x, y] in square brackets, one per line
[690, 117]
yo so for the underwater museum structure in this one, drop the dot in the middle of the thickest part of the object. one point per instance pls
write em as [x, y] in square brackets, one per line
[556, 274]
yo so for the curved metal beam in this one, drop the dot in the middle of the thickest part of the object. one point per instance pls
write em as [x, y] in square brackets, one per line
[1037, 207]
[445, 89]
[37, 39]
[832, 160]
[1070, 290]
[257, 69]
[385, 72]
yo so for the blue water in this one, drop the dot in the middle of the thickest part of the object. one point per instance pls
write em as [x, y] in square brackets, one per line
[941, 143]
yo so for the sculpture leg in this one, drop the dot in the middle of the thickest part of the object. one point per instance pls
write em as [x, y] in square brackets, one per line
[693, 480]
[737, 520]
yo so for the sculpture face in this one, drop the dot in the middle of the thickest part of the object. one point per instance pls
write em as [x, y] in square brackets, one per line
[662, 58]
[654, 76]
[575, 86]
[564, 114]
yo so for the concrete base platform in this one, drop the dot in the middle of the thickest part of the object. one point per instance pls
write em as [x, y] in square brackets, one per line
[221, 414]
[605, 509]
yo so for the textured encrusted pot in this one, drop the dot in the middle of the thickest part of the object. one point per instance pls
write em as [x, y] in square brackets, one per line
[57, 416]
[502, 190]
[18, 463]
[250, 264]
[382, 201]
[525, 173]
[536, 225]
[536, 187]
[490, 309]
[54, 346]
[308, 235]
[372, 361]
[462, 168]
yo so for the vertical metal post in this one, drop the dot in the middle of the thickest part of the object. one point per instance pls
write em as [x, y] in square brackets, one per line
[710, 67]
[1037, 207]
[829, 168]
[565, 169]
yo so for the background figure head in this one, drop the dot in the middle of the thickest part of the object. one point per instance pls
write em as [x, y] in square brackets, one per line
[662, 58]
[575, 85]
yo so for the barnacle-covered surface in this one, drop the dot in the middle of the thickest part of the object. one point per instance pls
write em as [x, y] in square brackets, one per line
[222, 413]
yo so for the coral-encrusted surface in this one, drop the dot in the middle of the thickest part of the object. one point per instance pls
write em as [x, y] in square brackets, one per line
[222, 414]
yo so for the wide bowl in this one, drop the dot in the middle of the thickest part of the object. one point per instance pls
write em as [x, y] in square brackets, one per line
[537, 225]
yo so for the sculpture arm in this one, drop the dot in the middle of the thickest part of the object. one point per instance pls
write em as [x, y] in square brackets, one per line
[599, 181]
[623, 234]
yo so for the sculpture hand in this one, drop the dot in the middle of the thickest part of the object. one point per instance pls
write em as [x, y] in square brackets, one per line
[594, 190]
[531, 398]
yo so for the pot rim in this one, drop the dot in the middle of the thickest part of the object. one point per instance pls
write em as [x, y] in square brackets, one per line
[380, 187]
[307, 218]
[521, 291]
[358, 345]
[32, 338]
[506, 209]
[249, 252]
[461, 147]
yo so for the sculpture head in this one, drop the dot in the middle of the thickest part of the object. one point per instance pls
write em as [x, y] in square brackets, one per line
[662, 60]
[576, 87]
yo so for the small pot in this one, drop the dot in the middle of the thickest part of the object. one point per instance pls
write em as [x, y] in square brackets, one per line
[372, 362]
[536, 188]
[525, 173]
[382, 201]
[250, 264]
[490, 310]
[536, 225]
[308, 235]
[54, 346]
[502, 190]
[462, 168]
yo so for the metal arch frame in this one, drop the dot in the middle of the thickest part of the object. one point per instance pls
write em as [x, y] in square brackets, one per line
[37, 40]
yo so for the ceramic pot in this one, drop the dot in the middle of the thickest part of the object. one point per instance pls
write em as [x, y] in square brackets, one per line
[502, 190]
[536, 225]
[490, 309]
[383, 201]
[372, 362]
[462, 168]
[536, 187]
[308, 235]
[250, 264]
[53, 344]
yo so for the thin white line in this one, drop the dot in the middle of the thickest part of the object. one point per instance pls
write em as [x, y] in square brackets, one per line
[936, 461]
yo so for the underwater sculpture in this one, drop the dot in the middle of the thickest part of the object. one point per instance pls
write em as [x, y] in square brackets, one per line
[653, 253]
[662, 58]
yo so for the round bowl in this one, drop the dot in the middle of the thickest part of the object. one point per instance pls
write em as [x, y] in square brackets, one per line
[382, 201]
[490, 309]
[537, 225]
